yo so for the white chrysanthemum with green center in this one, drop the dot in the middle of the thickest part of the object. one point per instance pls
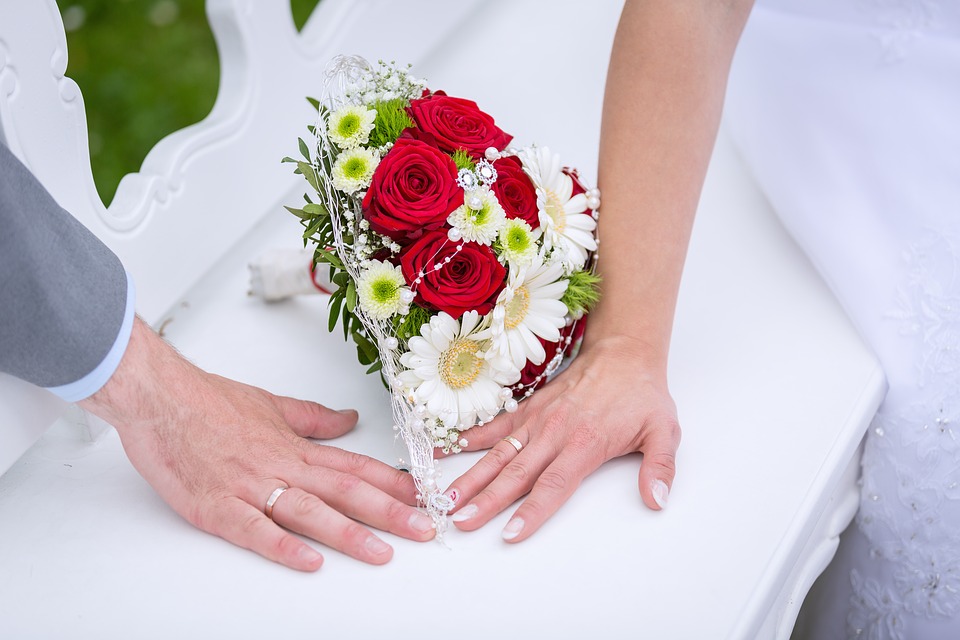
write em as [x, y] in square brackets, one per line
[350, 126]
[353, 169]
[517, 243]
[565, 218]
[447, 372]
[480, 218]
[380, 290]
[529, 306]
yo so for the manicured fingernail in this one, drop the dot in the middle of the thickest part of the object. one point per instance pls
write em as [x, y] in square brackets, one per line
[661, 494]
[466, 513]
[308, 554]
[513, 529]
[453, 495]
[421, 523]
[377, 546]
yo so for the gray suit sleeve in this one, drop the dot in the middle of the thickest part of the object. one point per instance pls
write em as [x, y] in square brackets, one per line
[63, 293]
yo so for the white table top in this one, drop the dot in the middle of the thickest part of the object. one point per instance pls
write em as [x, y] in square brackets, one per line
[774, 388]
[774, 391]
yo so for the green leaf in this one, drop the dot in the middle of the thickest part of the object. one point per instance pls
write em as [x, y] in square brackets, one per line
[313, 228]
[366, 351]
[316, 209]
[375, 367]
[347, 318]
[300, 213]
[287, 159]
[335, 302]
[351, 296]
[314, 102]
[322, 254]
[310, 174]
[304, 150]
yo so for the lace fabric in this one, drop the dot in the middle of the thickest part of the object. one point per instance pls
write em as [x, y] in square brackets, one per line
[910, 500]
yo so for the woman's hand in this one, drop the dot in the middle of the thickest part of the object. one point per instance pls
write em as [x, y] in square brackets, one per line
[216, 450]
[608, 403]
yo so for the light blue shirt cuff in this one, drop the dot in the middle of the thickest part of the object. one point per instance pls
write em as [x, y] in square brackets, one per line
[94, 381]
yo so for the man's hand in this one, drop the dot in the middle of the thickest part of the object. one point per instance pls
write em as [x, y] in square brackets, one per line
[215, 450]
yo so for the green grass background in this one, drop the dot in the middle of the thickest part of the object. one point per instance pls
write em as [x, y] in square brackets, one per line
[146, 68]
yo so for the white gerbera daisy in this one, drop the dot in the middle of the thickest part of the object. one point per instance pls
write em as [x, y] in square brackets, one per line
[350, 126]
[353, 169]
[480, 218]
[380, 290]
[446, 371]
[517, 244]
[528, 307]
[566, 222]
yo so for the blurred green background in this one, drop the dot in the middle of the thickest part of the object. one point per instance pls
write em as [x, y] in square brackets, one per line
[146, 68]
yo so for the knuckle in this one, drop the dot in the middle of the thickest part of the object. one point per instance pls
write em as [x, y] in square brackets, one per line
[556, 419]
[404, 486]
[664, 462]
[516, 474]
[586, 436]
[346, 483]
[496, 458]
[304, 505]
[250, 524]
[553, 481]
[356, 463]
[353, 536]
[396, 512]
[534, 510]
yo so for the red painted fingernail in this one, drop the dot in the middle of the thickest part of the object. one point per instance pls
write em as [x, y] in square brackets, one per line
[453, 495]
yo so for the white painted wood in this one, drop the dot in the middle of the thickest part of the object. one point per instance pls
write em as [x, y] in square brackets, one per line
[774, 387]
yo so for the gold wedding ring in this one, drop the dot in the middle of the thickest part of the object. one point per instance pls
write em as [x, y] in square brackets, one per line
[272, 500]
[513, 441]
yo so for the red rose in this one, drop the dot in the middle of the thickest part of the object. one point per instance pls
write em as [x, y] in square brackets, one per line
[530, 372]
[515, 191]
[457, 124]
[470, 281]
[413, 189]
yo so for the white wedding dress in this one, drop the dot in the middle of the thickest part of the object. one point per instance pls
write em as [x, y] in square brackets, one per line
[848, 114]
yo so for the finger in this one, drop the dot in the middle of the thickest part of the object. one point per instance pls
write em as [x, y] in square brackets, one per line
[487, 435]
[552, 489]
[355, 498]
[514, 481]
[484, 471]
[305, 513]
[392, 481]
[312, 420]
[659, 448]
[247, 527]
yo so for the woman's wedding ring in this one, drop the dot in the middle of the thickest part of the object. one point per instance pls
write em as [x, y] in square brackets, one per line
[272, 500]
[513, 441]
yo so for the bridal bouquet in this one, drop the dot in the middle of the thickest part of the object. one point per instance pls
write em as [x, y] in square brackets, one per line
[463, 265]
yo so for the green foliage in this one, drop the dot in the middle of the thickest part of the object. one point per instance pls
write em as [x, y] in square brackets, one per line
[463, 160]
[409, 325]
[583, 291]
[390, 122]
